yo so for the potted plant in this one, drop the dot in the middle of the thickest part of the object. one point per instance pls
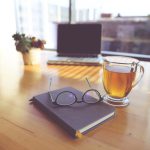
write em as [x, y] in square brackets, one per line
[28, 46]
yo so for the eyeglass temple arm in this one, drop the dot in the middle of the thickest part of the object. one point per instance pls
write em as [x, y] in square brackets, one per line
[50, 83]
[91, 86]
[88, 82]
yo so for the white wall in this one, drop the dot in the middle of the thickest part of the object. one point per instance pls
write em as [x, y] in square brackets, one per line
[7, 24]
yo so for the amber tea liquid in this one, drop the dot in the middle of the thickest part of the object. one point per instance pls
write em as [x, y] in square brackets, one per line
[118, 80]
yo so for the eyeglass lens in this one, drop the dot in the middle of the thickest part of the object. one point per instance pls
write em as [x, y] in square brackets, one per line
[66, 98]
[91, 96]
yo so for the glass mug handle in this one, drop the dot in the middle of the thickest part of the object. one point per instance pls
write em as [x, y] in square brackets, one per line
[141, 69]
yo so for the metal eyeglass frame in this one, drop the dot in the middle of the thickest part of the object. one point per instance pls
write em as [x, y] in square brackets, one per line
[76, 99]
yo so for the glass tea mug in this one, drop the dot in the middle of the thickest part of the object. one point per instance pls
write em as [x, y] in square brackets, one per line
[120, 75]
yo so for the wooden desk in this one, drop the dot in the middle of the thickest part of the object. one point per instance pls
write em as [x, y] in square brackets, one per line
[23, 127]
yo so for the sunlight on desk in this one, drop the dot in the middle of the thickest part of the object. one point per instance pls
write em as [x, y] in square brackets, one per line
[77, 72]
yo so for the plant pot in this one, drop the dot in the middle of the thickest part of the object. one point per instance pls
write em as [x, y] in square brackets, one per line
[33, 57]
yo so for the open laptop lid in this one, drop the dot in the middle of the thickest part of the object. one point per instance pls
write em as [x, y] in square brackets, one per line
[83, 40]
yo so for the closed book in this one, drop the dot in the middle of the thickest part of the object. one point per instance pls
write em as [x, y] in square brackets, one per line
[78, 118]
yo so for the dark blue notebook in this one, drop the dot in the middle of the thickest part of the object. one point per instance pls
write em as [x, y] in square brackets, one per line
[78, 118]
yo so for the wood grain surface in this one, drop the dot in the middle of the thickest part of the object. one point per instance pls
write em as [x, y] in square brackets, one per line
[24, 127]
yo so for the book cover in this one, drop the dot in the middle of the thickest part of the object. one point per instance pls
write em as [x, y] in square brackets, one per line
[78, 118]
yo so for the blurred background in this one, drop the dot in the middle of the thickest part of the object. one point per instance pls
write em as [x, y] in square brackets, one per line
[125, 24]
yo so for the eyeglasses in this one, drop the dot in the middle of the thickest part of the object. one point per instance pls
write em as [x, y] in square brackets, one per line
[66, 98]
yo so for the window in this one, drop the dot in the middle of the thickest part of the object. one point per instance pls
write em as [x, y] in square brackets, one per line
[125, 25]
[39, 18]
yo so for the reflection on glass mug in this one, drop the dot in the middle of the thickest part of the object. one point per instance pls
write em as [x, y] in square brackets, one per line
[120, 75]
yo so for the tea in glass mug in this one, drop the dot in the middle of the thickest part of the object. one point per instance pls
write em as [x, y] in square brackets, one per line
[120, 75]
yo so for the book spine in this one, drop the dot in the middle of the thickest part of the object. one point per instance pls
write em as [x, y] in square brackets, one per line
[59, 121]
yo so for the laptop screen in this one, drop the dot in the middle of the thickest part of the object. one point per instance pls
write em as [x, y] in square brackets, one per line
[79, 39]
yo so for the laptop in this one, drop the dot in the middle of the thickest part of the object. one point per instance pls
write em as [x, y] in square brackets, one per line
[78, 44]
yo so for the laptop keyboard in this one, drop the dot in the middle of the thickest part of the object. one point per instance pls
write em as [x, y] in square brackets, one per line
[75, 61]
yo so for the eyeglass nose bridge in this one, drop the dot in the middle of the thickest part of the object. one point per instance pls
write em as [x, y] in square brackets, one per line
[79, 101]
